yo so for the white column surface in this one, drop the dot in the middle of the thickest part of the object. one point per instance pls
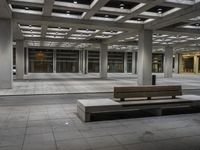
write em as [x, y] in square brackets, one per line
[176, 63]
[103, 61]
[6, 54]
[125, 62]
[20, 59]
[144, 63]
[168, 62]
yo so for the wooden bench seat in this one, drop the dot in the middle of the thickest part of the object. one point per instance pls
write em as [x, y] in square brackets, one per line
[147, 91]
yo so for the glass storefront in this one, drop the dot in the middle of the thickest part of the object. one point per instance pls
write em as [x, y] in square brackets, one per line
[187, 64]
[116, 62]
[129, 62]
[157, 63]
[93, 61]
[67, 61]
[40, 61]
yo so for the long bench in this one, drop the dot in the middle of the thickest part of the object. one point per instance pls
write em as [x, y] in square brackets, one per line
[147, 91]
[87, 107]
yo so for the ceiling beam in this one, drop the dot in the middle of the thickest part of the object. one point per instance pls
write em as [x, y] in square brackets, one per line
[181, 15]
[121, 36]
[94, 8]
[78, 23]
[47, 9]
[61, 40]
[137, 12]
[179, 31]
[17, 34]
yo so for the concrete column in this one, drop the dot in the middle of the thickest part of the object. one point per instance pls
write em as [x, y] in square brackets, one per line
[103, 61]
[80, 62]
[84, 61]
[27, 60]
[176, 63]
[54, 61]
[133, 62]
[168, 62]
[196, 64]
[20, 59]
[6, 54]
[125, 62]
[144, 63]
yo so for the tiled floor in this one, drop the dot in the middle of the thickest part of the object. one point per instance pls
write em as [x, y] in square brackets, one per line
[43, 126]
[90, 83]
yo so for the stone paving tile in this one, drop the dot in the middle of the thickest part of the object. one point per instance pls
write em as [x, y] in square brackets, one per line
[74, 144]
[102, 142]
[25, 128]
[78, 83]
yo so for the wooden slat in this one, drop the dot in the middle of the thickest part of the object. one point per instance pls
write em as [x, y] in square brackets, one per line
[147, 91]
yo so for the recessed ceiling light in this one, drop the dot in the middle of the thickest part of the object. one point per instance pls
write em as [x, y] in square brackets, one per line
[26, 8]
[75, 2]
[160, 10]
[121, 6]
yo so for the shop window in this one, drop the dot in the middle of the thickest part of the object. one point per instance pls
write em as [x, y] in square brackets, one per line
[67, 61]
[40, 61]
[157, 63]
[93, 61]
[188, 64]
[115, 62]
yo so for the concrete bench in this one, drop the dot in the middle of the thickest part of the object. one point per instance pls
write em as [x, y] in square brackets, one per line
[87, 107]
[147, 91]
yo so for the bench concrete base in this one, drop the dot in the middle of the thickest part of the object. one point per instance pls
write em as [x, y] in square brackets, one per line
[85, 107]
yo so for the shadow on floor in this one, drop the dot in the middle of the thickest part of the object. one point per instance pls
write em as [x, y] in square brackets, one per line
[140, 114]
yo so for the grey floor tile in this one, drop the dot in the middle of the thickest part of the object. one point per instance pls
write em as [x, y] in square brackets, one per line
[66, 135]
[11, 141]
[102, 142]
[74, 144]
[39, 130]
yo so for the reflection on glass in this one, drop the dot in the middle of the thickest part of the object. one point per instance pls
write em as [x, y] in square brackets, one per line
[40, 61]
[188, 64]
[157, 63]
[93, 61]
[115, 62]
[67, 61]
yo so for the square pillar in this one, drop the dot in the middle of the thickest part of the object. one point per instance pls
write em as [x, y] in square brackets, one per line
[6, 54]
[196, 64]
[125, 62]
[27, 60]
[103, 61]
[80, 61]
[168, 62]
[54, 61]
[133, 62]
[20, 59]
[144, 64]
[176, 63]
[84, 62]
